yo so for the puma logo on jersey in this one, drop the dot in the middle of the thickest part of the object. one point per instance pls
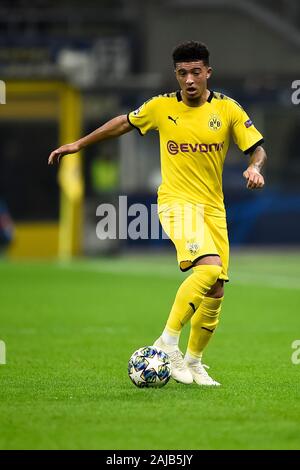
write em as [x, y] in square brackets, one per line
[172, 119]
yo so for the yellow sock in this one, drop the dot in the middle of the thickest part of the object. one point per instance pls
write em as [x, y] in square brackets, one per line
[190, 294]
[203, 324]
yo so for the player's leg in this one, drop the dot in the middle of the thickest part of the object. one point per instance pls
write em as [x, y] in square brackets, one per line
[188, 298]
[206, 318]
[203, 324]
[179, 223]
[191, 293]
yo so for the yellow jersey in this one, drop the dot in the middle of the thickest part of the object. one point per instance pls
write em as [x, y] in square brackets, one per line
[193, 145]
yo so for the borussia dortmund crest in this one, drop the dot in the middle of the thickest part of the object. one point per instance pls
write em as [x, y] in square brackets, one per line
[214, 123]
[193, 247]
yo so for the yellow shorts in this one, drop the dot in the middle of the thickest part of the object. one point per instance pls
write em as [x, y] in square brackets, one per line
[195, 234]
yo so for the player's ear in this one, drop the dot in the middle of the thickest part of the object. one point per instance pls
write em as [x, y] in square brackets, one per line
[208, 72]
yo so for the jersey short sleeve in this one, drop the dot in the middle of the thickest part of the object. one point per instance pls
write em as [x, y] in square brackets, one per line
[144, 118]
[245, 134]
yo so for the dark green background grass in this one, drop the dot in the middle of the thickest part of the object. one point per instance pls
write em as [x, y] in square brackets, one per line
[69, 330]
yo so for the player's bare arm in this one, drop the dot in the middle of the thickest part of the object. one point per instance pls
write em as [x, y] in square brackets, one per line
[255, 179]
[113, 128]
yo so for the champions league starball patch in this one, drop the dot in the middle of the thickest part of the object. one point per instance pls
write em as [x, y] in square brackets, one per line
[248, 123]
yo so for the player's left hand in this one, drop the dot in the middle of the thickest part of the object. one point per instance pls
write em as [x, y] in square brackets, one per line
[255, 179]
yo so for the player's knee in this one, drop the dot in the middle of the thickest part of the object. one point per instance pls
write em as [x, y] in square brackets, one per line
[217, 290]
[208, 274]
[215, 271]
[213, 265]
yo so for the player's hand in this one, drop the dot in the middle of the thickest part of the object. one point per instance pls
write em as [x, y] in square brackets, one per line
[255, 179]
[57, 154]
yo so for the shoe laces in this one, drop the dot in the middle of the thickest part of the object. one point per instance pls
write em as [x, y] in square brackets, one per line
[200, 369]
[176, 358]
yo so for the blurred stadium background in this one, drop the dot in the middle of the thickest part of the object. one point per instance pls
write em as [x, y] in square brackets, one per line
[68, 66]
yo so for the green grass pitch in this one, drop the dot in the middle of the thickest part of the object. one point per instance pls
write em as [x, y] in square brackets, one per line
[70, 329]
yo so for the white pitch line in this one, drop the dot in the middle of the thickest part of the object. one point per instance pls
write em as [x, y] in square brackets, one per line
[266, 280]
[168, 272]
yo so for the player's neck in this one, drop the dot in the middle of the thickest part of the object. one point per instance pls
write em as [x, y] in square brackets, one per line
[195, 102]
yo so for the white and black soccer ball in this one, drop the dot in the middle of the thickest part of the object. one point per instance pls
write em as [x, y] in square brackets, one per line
[149, 367]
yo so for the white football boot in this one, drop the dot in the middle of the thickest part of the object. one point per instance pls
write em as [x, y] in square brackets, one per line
[200, 375]
[179, 369]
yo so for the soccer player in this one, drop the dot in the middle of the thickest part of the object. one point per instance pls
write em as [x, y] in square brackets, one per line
[195, 125]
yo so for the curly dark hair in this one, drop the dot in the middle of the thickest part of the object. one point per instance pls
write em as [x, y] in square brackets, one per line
[189, 51]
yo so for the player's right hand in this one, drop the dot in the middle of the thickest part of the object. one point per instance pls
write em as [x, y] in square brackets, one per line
[57, 154]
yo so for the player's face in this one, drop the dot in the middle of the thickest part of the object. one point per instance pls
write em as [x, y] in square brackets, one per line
[192, 78]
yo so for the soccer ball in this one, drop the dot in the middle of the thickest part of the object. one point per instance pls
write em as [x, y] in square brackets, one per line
[149, 367]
